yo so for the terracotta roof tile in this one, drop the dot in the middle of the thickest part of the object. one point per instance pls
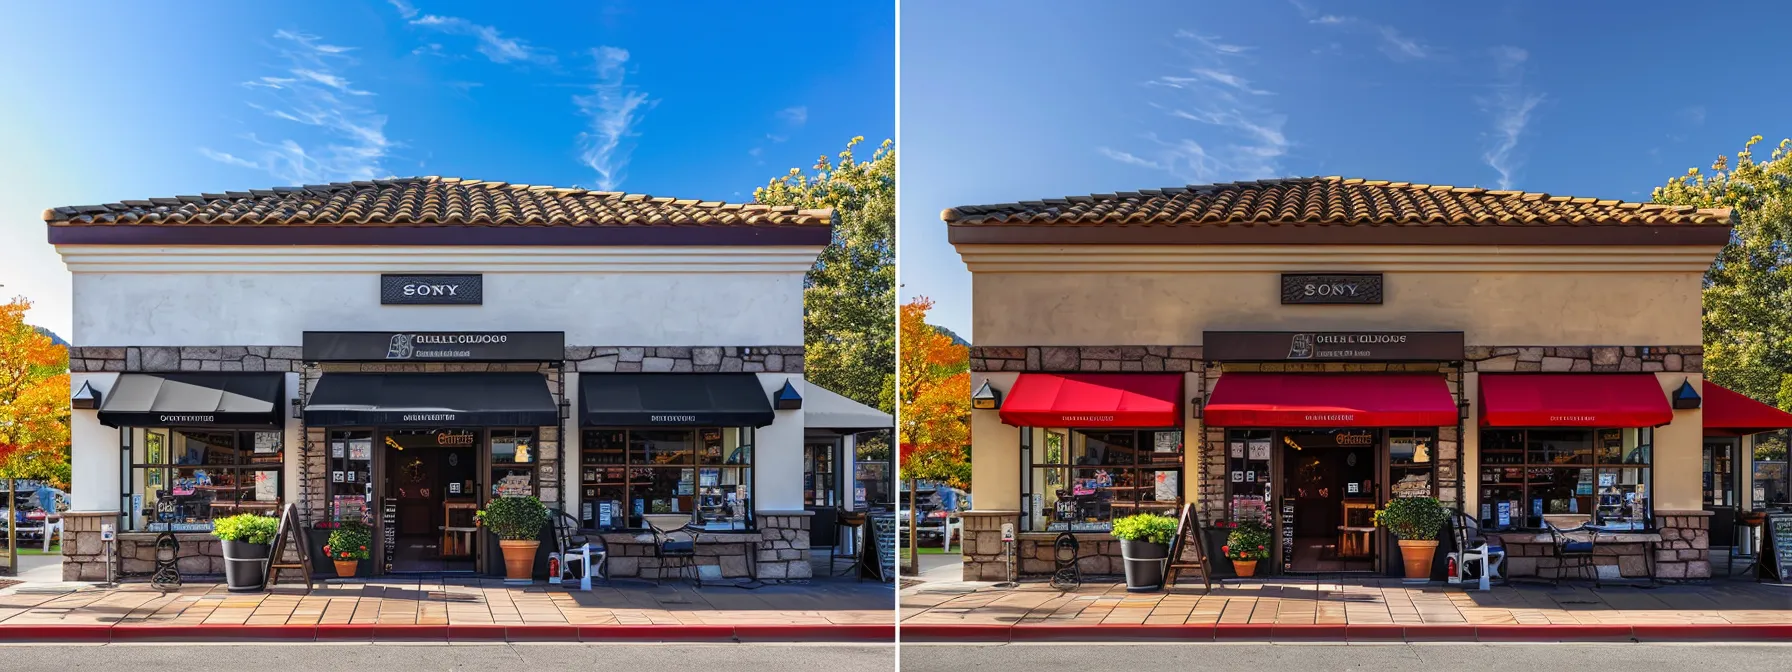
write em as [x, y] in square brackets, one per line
[1331, 201]
[431, 201]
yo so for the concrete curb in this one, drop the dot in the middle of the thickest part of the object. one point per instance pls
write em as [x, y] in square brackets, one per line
[446, 633]
[1252, 632]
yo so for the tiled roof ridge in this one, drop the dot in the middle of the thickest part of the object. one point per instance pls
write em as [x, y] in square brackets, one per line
[1049, 209]
[148, 209]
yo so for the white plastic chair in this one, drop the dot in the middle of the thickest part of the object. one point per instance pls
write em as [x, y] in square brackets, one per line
[1489, 561]
[52, 526]
[954, 524]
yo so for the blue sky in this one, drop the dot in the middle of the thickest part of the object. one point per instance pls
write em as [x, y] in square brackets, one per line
[119, 100]
[1011, 100]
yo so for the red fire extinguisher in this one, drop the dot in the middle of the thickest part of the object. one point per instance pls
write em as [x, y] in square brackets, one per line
[1452, 573]
[553, 568]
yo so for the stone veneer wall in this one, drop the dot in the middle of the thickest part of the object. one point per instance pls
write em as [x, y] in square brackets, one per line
[1089, 358]
[1683, 553]
[1585, 358]
[683, 359]
[781, 551]
[983, 548]
[83, 554]
[186, 358]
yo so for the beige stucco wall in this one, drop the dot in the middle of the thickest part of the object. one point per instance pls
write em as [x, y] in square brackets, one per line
[1056, 296]
[995, 452]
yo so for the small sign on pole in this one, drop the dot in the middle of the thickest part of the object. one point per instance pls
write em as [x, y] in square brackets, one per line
[1008, 556]
[109, 534]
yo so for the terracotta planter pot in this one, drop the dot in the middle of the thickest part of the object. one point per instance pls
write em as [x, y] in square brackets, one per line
[1244, 568]
[519, 558]
[1417, 556]
[345, 568]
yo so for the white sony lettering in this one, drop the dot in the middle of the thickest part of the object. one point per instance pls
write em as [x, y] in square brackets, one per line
[453, 290]
[1312, 289]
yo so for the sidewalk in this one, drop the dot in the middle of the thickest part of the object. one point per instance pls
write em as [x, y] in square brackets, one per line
[1327, 607]
[436, 608]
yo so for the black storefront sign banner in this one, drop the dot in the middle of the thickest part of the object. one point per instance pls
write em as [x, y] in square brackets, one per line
[1333, 346]
[443, 289]
[434, 346]
[1331, 288]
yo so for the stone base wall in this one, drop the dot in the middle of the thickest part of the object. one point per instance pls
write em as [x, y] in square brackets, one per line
[983, 547]
[683, 359]
[1098, 554]
[200, 554]
[83, 554]
[1685, 548]
[1585, 358]
[784, 545]
[1683, 553]
[185, 358]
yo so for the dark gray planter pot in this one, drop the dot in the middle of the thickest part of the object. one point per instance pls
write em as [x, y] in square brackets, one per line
[1144, 565]
[245, 566]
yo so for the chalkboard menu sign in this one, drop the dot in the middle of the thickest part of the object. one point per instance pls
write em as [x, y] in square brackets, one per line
[1287, 534]
[389, 529]
[882, 544]
[1779, 546]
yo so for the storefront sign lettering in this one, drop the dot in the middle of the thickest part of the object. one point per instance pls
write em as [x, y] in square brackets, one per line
[1354, 438]
[375, 346]
[1333, 288]
[188, 418]
[428, 417]
[1071, 420]
[1333, 346]
[464, 289]
[454, 439]
[672, 418]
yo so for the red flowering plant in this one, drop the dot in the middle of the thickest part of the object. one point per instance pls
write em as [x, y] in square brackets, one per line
[349, 542]
[1248, 540]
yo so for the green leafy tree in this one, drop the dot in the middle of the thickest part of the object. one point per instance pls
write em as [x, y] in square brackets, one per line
[1748, 291]
[849, 298]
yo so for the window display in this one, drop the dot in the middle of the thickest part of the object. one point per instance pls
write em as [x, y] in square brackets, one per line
[1083, 479]
[707, 472]
[181, 479]
[1566, 477]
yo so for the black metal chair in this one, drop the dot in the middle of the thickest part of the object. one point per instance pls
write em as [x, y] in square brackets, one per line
[1568, 551]
[676, 553]
[572, 538]
[824, 532]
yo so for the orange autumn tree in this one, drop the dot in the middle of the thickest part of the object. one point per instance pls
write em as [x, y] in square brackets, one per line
[34, 400]
[934, 390]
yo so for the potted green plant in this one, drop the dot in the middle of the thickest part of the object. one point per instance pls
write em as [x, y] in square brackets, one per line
[246, 538]
[347, 547]
[1144, 546]
[1416, 522]
[1246, 544]
[517, 521]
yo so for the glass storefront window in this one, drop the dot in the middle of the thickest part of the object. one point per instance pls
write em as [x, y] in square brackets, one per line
[514, 459]
[1565, 477]
[707, 473]
[1082, 480]
[1410, 462]
[181, 479]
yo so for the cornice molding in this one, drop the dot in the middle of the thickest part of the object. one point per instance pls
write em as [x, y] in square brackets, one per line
[1339, 258]
[447, 259]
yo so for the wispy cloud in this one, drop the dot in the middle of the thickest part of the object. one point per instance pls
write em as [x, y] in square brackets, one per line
[1390, 40]
[405, 9]
[347, 135]
[1694, 115]
[490, 42]
[614, 107]
[1513, 107]
[795, 116]
[1225, 126]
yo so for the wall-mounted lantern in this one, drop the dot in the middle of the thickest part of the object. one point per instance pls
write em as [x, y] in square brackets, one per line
[1686, 398]
[787, 398]
[565, 409]
[85, 398]
[986, 398]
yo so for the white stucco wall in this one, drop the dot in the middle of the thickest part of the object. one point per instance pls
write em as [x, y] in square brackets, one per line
[245, 296]
[778, 452]
[93, 452]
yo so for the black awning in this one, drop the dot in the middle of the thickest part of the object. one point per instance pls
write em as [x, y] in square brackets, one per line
[681, 399]
[432, 400]
[194, 399]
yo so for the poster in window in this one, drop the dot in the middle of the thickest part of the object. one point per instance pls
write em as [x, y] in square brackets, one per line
[336, 477]
[338, 449]
[265, 486]
[1166, 442]
[1505, 514]
[1237, 476]
[1238, 449]
[267, 443]
[1260, 449]
[513, 484]
[360, 449]
[1167, 487]
[1609, 479]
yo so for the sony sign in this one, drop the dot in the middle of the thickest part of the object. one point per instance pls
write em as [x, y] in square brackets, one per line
[1331, 288]
[432, 289]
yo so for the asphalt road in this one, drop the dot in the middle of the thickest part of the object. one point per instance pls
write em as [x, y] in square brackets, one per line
[479, 657]
[1375, 657]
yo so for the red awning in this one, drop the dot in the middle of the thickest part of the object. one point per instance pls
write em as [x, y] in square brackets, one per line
[1330, 400]
[1730, 413]
[1573, 400]
[1094, 400]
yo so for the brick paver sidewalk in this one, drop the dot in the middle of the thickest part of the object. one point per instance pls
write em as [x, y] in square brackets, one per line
[456, 602]
[1328, 601]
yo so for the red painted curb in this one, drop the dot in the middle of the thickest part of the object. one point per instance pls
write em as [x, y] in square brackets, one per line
[56, 633]
[172, 633]
[1712, 632]
[658, 633]
[1303, 632]
[867, 632]
[531, 633]
[1260, 632]
[478, 632]
[1439, 633]
[1374, 633]
[1035, 632]
[1552, 633]
[973, 633]
[343, 632]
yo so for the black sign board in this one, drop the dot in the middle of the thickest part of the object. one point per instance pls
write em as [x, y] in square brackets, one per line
[1778, 548]
[1333, 346]
[291, 531]
[1331, 288]
[432, 290]
[434, 346]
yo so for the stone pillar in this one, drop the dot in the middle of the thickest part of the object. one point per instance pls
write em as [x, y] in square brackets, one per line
[784, 545]
[983, 548]
[1685, 548]
[83, 554]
